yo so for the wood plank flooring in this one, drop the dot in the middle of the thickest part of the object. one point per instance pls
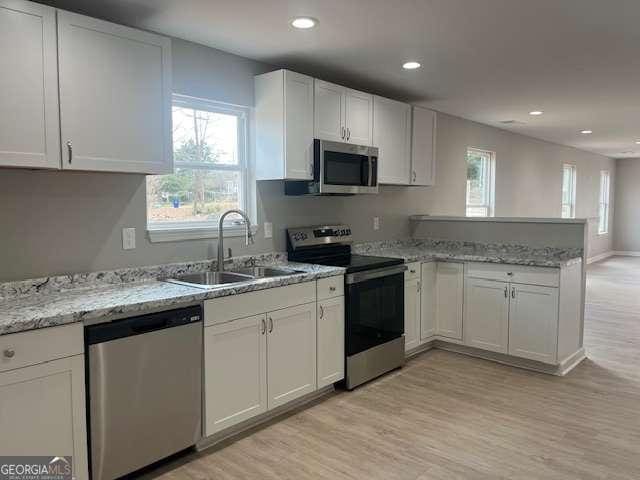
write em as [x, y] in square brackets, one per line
[448, 416]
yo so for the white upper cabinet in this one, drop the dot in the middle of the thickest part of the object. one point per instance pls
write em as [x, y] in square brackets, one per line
[423, 147]
[29, 131]
[342, 114]
[358, 117]
[392, 136]
[115, 97]
[284, 126]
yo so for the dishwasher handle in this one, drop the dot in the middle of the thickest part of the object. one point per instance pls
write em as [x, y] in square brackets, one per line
[128, 327]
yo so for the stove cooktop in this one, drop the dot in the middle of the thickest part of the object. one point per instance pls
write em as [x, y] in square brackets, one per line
[355, 263]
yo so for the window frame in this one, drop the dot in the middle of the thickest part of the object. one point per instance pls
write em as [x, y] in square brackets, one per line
[605, 180]
[491, 181]
[574, 184]
[174, 231]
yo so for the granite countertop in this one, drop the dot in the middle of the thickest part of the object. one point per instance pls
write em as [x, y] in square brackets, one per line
[429, 249]
[92, 301]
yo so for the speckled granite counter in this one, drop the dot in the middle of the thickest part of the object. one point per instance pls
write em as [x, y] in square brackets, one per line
[429, 249]
[105, 296]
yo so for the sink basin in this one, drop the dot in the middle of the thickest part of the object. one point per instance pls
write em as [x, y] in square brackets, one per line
[211, 279]
[264, 272]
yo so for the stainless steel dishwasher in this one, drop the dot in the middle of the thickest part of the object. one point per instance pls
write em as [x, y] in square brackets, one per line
[144, 389]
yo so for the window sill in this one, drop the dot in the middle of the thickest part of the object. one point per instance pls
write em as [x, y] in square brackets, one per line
[602, 234]
[158, 235]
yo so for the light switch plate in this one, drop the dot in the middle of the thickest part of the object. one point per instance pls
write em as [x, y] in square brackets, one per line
[128, 238]
[376, 223]
[268, 230]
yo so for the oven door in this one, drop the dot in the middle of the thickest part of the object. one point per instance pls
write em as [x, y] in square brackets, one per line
[346, 168]
[375, 309]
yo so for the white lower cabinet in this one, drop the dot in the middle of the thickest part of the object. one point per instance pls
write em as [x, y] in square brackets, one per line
[486, 314]
[291, 353]
[428, 301]
[330, 341]
[42, 406]
[449, 299]
[533, 322]
[411, 314]
[235, 382]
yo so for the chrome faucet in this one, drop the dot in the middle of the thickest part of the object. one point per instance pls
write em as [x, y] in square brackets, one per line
[248, 235]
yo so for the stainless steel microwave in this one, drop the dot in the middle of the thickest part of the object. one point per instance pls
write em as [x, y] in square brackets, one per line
[339, 169]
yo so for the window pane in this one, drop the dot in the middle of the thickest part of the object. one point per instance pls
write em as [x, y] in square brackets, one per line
[192, 195]
[477, 212]
[568, 191]
[200, 136]
[480, 165]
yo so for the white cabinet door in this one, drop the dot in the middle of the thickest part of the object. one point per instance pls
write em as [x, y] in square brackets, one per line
[330, 341]
[298, 115]
[486, 314]
[328, 116]
[391, 134]
[428, 301]
[411, 314]
[533, 322]
[449, 299]
[358, 117]
[115, 97]
[42, 411]
[235, 372]
[29, 130]
[423, 147]
[291, 353]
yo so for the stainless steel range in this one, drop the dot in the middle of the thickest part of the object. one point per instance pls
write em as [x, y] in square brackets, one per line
[374, 299]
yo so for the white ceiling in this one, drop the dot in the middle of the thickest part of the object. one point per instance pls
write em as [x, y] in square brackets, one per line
[485, 60]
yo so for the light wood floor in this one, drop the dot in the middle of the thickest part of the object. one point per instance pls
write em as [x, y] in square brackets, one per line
[447, 416]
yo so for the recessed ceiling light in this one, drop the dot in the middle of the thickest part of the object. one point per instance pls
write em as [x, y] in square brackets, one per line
[411, 65]
[536, 112]
[586, 132]
[304, 22]
[637, 142]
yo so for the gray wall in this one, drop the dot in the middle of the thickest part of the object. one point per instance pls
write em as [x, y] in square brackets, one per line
[627, 215]
[61, 222]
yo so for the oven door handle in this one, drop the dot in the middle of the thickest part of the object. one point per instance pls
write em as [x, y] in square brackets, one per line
[360, 277]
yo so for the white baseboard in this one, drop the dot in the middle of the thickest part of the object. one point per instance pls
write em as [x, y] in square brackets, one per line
[627, 254]
[602, 256]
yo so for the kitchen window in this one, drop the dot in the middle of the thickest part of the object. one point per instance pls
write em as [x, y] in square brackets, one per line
[481, 166]
[210, 172]
[568, 191]
[603, 213]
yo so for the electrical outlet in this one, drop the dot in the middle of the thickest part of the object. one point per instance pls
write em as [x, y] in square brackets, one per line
[268, 230]
[376, 223]
[128, 238]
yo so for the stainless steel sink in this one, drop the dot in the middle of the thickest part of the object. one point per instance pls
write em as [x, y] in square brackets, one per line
[264, 272]
[211, 279]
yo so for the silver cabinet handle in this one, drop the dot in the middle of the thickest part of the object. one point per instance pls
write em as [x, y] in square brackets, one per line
[343, 132]
[414, 176]
[9, 353]
[419, 287]
[506, 292]
[332, 289]
[510, 274]
[70, 150]
[321, 311]
[513, 292]
[412, 271]
[270, 324]
[263, 328]
[348, 133]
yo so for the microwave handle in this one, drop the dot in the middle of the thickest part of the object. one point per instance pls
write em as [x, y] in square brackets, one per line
[370, 182]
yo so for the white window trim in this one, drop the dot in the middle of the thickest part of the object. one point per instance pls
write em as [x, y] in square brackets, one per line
[574, 187]
[608, 203]
[178, 231]
[491, 207]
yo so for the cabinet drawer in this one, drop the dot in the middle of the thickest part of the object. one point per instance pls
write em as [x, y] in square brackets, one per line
[413, 271]
[38, 346]
[545, 276]
[224, 309]
[330, 287]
